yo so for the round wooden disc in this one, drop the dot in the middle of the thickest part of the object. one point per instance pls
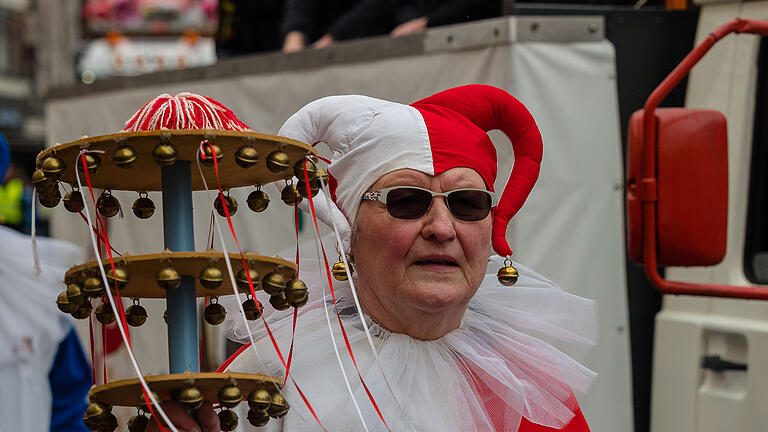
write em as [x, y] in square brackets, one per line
[142, 270]
[128, 392]
[145, 173]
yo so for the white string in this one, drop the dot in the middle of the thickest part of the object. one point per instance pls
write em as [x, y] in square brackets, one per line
[183, 104]
[136, 368]
[33, 236]
[340, 247]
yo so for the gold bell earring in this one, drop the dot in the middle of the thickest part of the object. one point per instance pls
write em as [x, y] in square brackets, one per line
[508, 274]
[339, 269]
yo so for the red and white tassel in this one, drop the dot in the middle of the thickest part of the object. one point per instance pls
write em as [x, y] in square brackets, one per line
[184, 111]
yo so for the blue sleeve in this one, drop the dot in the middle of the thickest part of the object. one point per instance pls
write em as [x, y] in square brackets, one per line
[70, 379]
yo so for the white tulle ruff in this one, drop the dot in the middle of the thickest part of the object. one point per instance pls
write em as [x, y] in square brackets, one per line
[483, 376]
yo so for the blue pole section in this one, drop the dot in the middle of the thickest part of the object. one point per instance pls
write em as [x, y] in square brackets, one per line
[179, 236]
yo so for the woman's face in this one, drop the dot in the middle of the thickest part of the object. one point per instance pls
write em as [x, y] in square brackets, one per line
[423, 268]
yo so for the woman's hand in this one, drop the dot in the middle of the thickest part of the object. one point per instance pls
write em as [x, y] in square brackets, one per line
[416, 25]
[206, 419]
[294, 41]
[324, 41]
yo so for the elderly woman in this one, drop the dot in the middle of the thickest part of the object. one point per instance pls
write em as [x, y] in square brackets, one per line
[412, 197]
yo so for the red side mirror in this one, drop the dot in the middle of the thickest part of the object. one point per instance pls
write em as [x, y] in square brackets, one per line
[692, 187]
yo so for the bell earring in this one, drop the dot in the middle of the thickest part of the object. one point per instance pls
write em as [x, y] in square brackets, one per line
[339, 269]
[508, 274]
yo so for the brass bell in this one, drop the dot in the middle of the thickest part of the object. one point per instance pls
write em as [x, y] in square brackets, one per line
[39, 180]
[168, 278]
[258, 418]
[138, 423]
[142, 403]
[107, 205]
[108, 425]
[93, 287]
[508, 274]
[259, 400]
[246, 156]
[251, 311]
[124, 156]
[75, 293]
[92, 161]
[242, 280]
[68, 307]
[214, 314]
[228, 420]
[97, 415]
[290, 195]
[273, 283]
[164, 154]
[231, 205]
[279, 406]
[278, 161]
[83, 310]
[118, 279]
[279, 302]
[189, 397]
[339, 271]
[323, 174]
[104, 313]
[50, 200]
[211, 277]
[230, 396]
[52, 167]
[165, 316]
[298, 169]
[73, 201]
[314, 187]
[296, 293]
[136, 315]
[258, 200]
[208, 160]
[143, 207]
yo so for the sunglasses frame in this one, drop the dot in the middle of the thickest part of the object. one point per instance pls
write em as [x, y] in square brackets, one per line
[381, 196]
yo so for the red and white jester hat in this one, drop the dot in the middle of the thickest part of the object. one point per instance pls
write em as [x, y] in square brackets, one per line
[371, 137]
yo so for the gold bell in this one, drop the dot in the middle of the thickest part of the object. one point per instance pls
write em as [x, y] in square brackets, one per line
[136, 315]
[124, 156]
[52, 167]
[278, 161]
[39, 180]
[97, 415]
[92, 161]
[93, 287]
[339, 271]
[107, 204]
[168, 278]
[104, 313]
[51, 199]
[251, 311]
[66, 306]
[314, 187]
[323, 174]
[142, 403]
[138, 423]
[296, 293]
[164, 154]
[279, 406]
[258, 200]
[208, 160]
[211, 277]
[273, 283]
[230, 396]
[83, 310]
[242, 280]
[214, 314]
[165, 316]
[231, 205]
[279, 302]
[73, 201]
[228, 420]
[75, 293]
[190, 397]
[298, 169]
[508, 274]
[246, 156]
[259, 400]
[143, 207]
[290, 195]
[118, 279]
[258, 418]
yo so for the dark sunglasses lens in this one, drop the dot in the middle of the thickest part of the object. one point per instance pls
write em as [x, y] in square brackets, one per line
[406, 203]
[469, 205]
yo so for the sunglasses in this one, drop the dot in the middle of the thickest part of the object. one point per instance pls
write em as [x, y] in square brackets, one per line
[410, 202]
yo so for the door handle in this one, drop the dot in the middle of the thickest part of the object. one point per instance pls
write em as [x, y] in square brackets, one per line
[718, 364]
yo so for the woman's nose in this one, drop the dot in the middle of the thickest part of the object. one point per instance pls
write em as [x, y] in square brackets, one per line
[438, 222]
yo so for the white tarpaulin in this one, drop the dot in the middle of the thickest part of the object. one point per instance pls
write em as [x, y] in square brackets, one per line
[570, 229]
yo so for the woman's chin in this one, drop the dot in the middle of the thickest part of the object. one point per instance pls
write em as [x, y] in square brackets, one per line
[436, 298]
